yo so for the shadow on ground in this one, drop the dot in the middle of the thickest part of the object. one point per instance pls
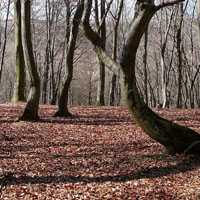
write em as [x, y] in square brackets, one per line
[10, 179]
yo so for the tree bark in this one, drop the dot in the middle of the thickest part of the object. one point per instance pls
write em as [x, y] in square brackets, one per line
[198, 20]
[175, 138]
[164, 76]
[179, 46]
[5, 40]
[31, 110]
[70, 48]
[101, 66]
[19, 56]
[114, 54]
[145, 54]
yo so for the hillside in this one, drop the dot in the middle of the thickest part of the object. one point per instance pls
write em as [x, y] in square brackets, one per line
[99, 154]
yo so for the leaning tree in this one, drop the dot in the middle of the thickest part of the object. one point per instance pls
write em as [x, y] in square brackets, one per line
[175, 138]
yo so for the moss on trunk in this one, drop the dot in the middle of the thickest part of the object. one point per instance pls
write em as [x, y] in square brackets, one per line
[31, 110]
[19, 56]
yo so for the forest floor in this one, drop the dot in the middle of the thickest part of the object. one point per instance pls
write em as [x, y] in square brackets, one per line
[99, 154]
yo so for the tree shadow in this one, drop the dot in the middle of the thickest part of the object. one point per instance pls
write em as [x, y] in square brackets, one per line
[89, 120]
[8, 121]
[153, 172]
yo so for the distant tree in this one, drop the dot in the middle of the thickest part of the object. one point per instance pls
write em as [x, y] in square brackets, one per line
[114, 52]
[198, 19]
[164, 67]
[2, 55]
[19, 56]
[31, 110]
[179, 50]
[101, 27]
[54, 45]
[175, 138]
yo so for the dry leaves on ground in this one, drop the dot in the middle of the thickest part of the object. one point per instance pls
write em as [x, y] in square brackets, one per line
[99, 154]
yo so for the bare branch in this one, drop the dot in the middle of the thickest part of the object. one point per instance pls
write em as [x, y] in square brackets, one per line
[96, 40]
[171, 3]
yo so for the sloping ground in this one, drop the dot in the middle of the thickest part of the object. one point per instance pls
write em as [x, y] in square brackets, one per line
[99, 154]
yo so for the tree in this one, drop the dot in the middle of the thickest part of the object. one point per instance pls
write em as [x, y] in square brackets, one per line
[70, 48]
[198, 19]
[165, 71]
[31, 110]
[179, 46]
[19, 56]
[145, 66]
[5, 41]
[175, 138]
[101, 26]
[114, 53]
[51, 79]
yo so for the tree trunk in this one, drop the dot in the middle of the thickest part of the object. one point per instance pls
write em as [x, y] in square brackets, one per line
[164, 78]
[112, 90]
[70, 48]
[101, 65]
[175, 138]
[179, 45]
[145, 66]
[19, 56]
[31, 110]
[45, 79]
[198, 20]
[101, 83]
[114, 56]
[5, 40]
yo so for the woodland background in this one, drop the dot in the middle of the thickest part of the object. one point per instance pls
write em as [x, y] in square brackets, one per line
[169, 46]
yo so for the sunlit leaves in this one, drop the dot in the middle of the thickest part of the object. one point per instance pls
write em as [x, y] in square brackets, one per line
[99, 154]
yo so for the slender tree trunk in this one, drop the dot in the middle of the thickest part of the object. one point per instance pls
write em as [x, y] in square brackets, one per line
[5, 41]
[163, 65]
[70, 48]
[19, 56]
[112, 90]
[101, 83]
[31, 110]
[198, 20]
[101, 65]
[47, 51]
[145, 66]
[114, 56]
[175, 138]
[179, 45]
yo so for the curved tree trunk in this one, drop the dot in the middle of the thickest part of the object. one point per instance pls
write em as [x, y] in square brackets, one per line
[70, 48]
[31, 110]
[19, 56]
[175, 138]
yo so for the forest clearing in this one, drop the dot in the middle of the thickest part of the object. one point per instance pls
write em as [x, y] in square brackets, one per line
[75, 64]
[100, 153]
